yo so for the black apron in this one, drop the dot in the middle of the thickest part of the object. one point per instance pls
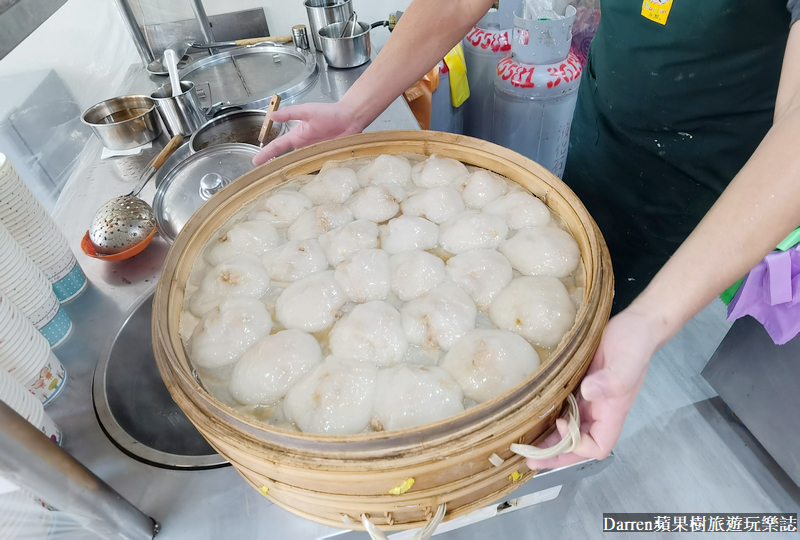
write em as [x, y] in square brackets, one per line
[666, 116]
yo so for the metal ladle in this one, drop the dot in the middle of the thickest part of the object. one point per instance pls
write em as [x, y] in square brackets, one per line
[123, 223]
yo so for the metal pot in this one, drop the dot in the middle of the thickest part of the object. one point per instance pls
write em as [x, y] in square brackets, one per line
[346, 52]
[234, 127]
[321, 13]
[125, 122]
[182, 114]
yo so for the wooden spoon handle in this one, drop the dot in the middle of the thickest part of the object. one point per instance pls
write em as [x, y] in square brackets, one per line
[167, 151]
[267, 125]
[253, 41]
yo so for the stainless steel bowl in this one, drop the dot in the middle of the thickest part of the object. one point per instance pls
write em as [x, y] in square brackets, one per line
[122, 123]
[346, 52]
[234, 127]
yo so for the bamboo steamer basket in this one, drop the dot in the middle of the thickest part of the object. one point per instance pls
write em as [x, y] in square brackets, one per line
[330, 478]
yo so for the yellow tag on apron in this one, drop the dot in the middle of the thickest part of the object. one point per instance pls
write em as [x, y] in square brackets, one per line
[656, 10]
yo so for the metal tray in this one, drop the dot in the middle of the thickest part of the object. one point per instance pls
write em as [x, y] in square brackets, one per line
[248, 76]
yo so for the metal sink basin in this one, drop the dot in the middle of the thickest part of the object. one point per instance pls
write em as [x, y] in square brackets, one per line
[134, 407]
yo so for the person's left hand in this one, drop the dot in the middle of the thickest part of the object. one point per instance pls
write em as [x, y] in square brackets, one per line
[609, 389]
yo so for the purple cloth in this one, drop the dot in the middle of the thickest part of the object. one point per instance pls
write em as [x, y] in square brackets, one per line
[771, 295]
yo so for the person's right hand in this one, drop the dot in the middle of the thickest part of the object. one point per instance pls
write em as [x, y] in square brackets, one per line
[317, 122]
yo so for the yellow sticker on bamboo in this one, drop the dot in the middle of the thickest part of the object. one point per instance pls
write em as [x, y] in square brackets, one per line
[515, 476]
[402, 488]
[656, 10]
[264, 490]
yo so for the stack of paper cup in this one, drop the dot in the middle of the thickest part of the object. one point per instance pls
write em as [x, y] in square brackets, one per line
[27, 287]
[23, 516]
[26, 355]
[31, 226]
[27, 406]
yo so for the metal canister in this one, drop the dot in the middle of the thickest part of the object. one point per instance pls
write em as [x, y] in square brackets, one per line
[182, 114]
[321, 13]
[535, 90]
[300, 36]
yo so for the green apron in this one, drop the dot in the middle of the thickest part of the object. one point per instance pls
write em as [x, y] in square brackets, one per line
[666, 116]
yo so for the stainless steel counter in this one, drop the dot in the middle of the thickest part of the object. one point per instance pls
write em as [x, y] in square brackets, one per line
[209, 504]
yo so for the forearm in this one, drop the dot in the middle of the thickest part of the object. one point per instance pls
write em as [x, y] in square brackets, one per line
[425, 33]
[759, 208]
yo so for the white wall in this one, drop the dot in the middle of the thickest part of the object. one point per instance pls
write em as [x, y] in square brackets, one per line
[87, 44]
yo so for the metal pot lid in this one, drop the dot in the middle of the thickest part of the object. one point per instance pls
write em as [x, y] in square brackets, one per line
[249, 76]
[195, 180]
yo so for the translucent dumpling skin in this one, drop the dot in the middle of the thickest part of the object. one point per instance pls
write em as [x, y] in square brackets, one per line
[406, 233]
[224, 334]
[408, 396]
[295, 260]
[439, 318]
[332, 185]
[282, 208]
[536, 307]
[346, 240]
[486, 363]
[542, 251]
[472, 230]
[482, 187]
[256, 237]
[310, 304]
[372, 332]
[270, 367]
[386, 169]
[438, 172]
[334, 397]
[319, 220]
[365, 276]
[482, 273]
[376, 203]
[435, 204]
[240, 275]
[415, 273]
[519, 209]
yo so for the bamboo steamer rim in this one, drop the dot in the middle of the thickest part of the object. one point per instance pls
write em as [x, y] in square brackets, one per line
[174, 364]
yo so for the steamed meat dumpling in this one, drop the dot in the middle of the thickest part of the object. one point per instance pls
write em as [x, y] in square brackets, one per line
[437, 172]
[406, 233]
[439, 318]
[480, 188]
[295, 260]
[332, 185]
[240, 275]
[282, 208]
[372, 332]
[542, 251]
[224, 333]
[409, 395]
[536, 307]
[520, 209]
[365, 276]
[346, 240]
[482, 273]
[487, 363]
[310, 304]
[334, 397]
[386, 169]
[472, 230]
[376, 203]
[415, 273]
[270, 367]
[435, 204]
[256, 237]
[319, 220]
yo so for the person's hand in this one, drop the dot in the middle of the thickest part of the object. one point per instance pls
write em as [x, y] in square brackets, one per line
[607, 392]
[317, 122]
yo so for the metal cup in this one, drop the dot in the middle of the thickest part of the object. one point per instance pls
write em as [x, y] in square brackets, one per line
[183, 114]
[321, 13]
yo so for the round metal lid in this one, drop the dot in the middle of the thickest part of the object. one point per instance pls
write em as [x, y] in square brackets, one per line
[134, 407]
[195, 180]
[248, 76]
